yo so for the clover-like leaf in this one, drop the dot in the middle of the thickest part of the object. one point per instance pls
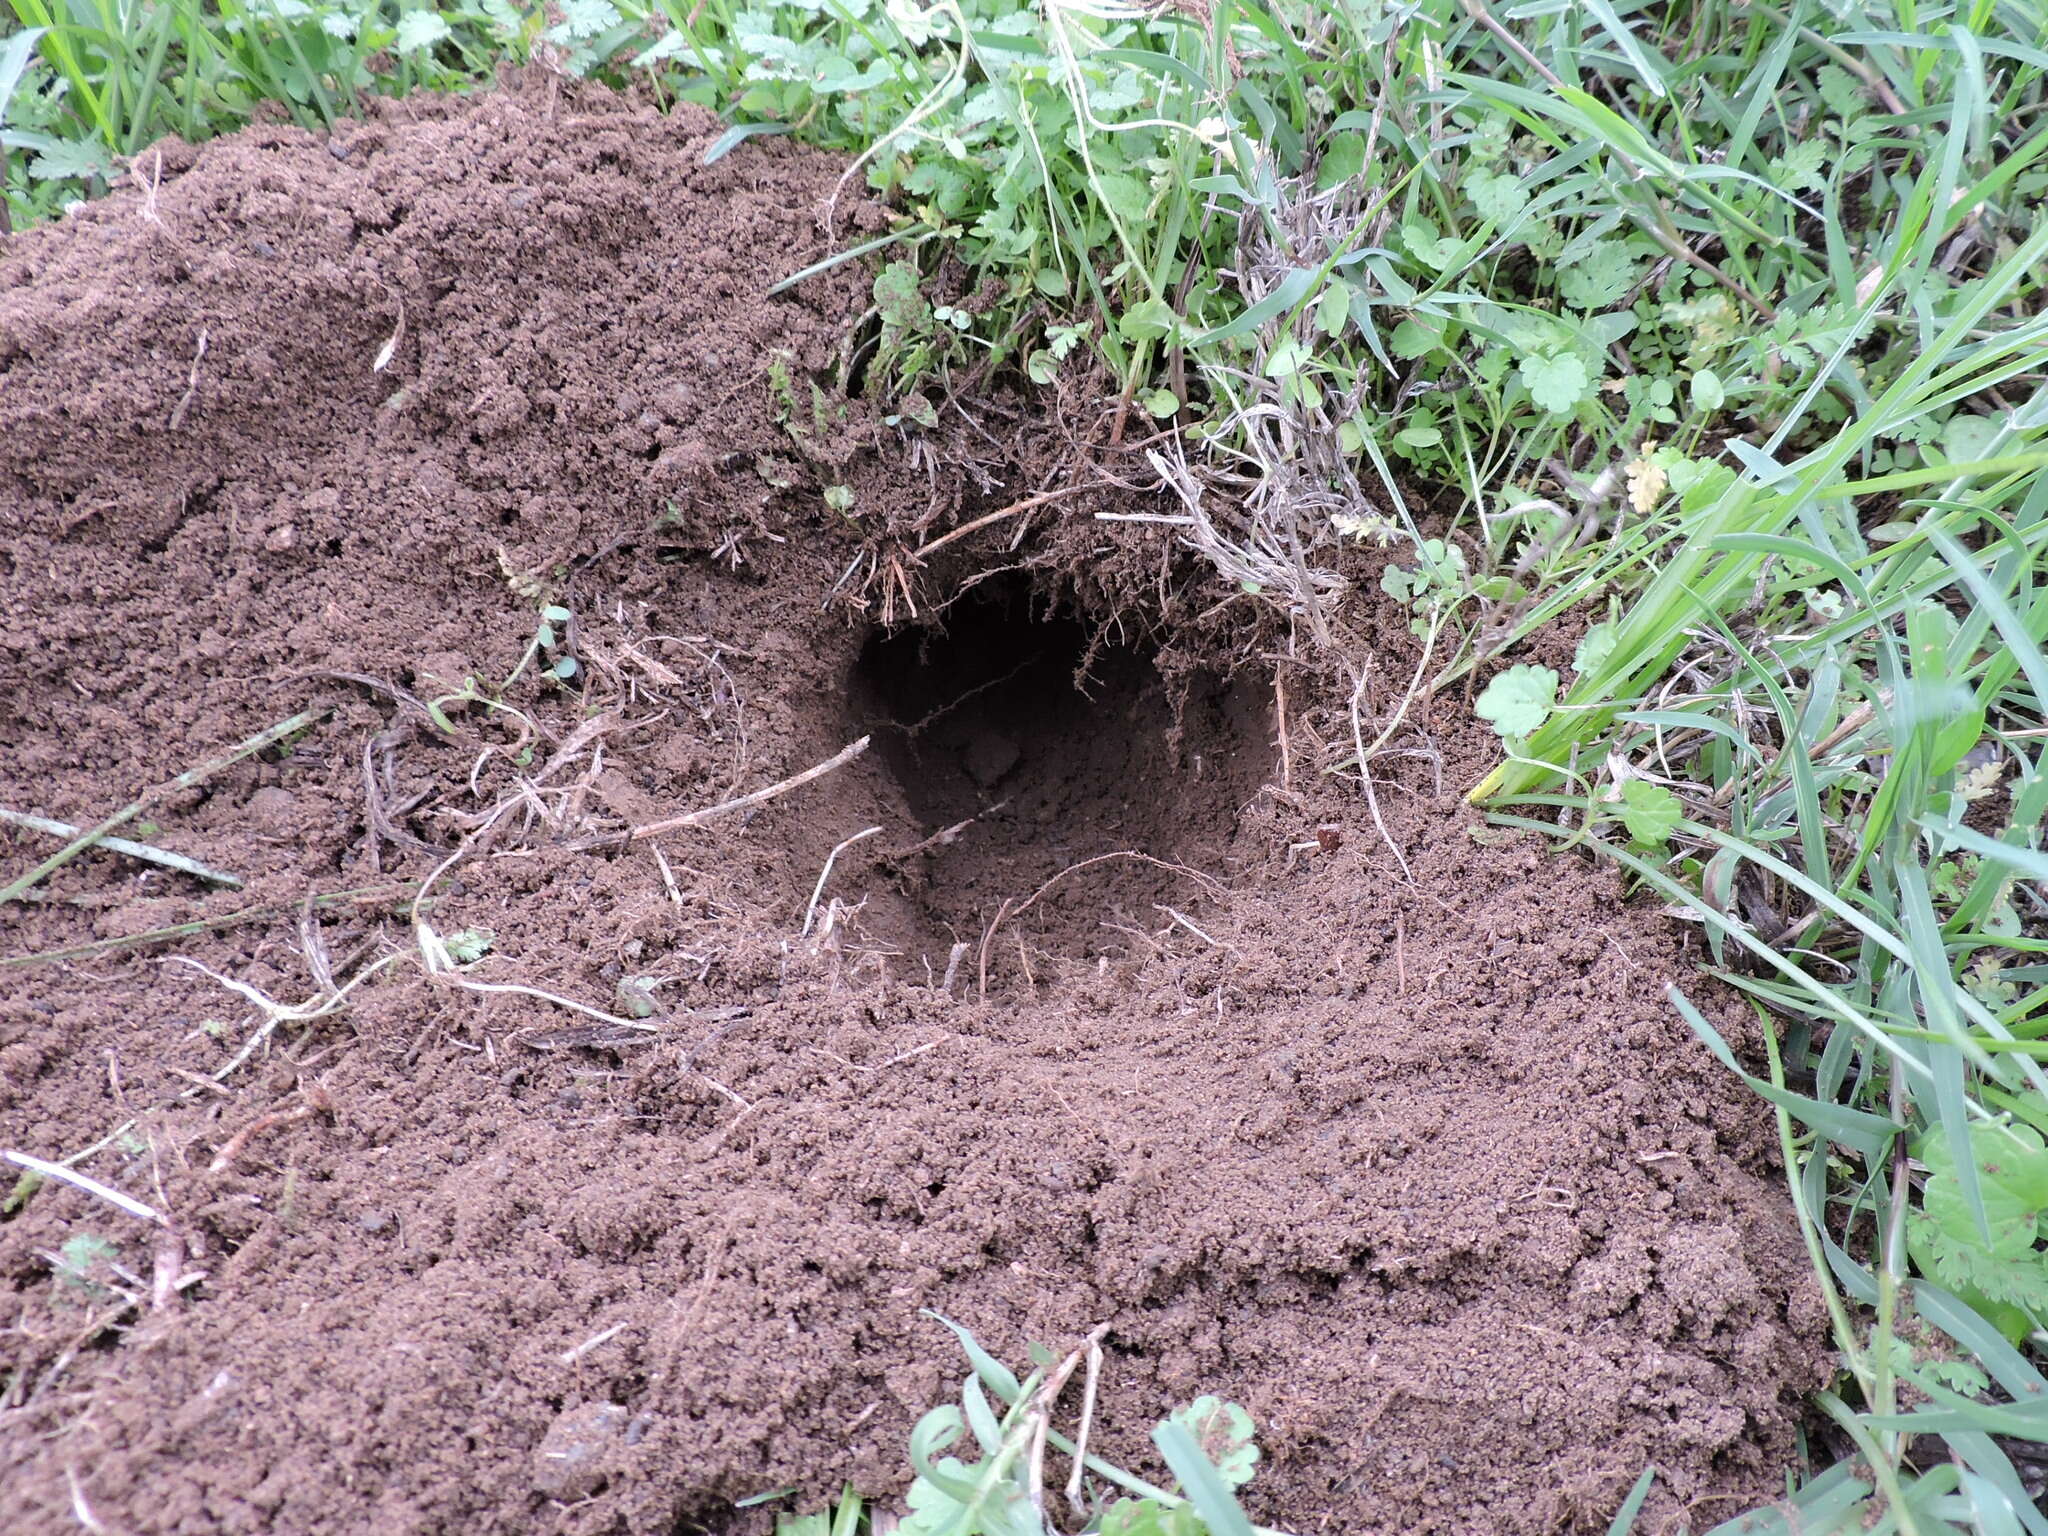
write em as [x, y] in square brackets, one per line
[1650, 812]
[1557, 383]
[420, 29]
[1147, 320]
[1224, 1432]
[1498, 195]
[1518, 700]
[897, 296]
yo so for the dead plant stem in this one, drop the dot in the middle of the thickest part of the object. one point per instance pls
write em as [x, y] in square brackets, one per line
[186, 780]
[997, 516]
[838, 760]
[133, 850]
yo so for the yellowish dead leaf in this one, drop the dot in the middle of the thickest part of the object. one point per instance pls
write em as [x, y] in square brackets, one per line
[1980, 780]
[1646, 482]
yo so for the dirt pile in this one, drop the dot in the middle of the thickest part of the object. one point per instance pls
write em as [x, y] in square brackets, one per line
[1417, 1165]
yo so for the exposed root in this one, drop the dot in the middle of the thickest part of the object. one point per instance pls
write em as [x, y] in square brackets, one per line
[1259, 543]
[314, 1100]
[275, 1013]
[1007, 911]
[839, 759]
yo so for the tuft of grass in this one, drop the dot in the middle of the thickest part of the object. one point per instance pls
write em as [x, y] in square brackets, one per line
[86, 84]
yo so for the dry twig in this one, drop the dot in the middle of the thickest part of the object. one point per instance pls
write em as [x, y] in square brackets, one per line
[811, 912]
[90, 1185]
[838, 760]
[134, 850]
[268, 737]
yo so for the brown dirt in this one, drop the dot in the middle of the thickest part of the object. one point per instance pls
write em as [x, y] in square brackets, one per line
[1426, 1175]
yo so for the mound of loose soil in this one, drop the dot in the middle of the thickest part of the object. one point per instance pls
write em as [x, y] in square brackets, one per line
[1402, 1150]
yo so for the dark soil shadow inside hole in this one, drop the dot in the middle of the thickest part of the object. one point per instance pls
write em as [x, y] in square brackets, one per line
[1057, 741]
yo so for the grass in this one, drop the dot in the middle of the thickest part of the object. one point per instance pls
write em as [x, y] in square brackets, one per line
[1714, 328]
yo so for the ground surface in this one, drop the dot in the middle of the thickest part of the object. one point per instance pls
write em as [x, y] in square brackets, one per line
[1424, 1174]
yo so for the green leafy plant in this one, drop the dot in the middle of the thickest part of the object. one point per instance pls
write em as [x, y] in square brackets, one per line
[1997, 1264]
[1728, 320]
[466, 946]
[77, 1261]
[1518, 700]
[980, 1467]
[107, 78]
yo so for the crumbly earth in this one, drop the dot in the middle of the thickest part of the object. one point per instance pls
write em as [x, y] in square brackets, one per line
[1391, 1137]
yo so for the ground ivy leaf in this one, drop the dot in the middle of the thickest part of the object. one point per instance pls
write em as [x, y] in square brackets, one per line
[1343, 158]
[1224, 1432]
[1498, 195]
[1595, 646]
[1423, 241]
[1128, 197]
[1555, 383]
[587, 18]
[1149, 1517]
[1650, 812]
[1519, 700]
[903, 308]
[420, 29]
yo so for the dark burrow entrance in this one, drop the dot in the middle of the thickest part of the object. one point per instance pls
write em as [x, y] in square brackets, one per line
[1025, 738]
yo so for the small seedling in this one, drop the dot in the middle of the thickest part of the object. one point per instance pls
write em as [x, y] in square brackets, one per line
[1650, 812]
[636, 996]
[1434, 582]
[466, 946]
[76, 1260]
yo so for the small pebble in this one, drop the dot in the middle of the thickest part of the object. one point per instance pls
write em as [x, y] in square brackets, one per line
[374, 1222]
[273, 809]
[569, 1462]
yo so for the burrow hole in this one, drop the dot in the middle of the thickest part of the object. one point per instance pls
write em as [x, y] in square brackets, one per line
[1057, 738]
